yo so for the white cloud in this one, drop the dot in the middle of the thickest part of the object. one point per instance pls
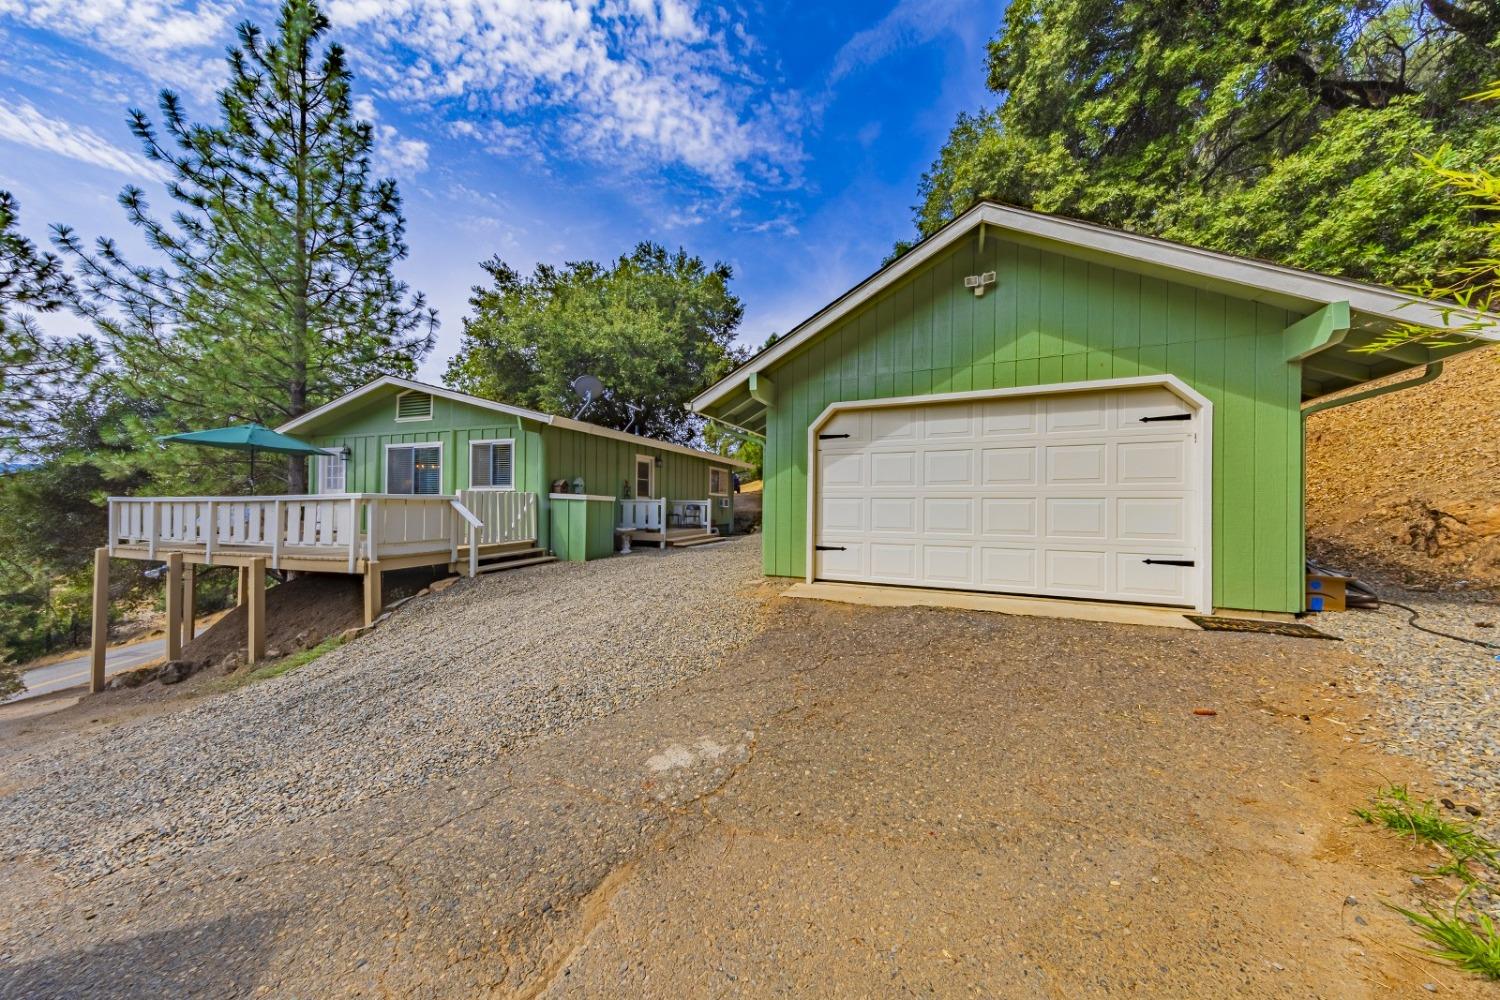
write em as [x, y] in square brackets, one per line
[175, 41]
[627, 82]
[910, 22]
[23, 123]
[394, 155]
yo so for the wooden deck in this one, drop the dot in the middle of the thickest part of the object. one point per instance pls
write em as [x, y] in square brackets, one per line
[314, 559]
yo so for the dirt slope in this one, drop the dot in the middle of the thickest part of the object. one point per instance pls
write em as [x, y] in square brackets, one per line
[1406, 487]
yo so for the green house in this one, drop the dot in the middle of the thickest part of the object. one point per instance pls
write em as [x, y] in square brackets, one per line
[1031, 405]
[574, 483]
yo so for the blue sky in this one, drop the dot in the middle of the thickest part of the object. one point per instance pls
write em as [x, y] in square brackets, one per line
[786, 138]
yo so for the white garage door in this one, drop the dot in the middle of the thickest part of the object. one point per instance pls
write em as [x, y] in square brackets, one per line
[1090, 494]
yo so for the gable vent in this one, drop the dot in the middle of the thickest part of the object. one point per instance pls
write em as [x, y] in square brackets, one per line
[414, 406]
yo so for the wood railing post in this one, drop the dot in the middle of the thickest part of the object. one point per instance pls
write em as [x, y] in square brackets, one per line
[210, 534]
[353, 532]
[153, 529]
[276, 513]
[99, 627]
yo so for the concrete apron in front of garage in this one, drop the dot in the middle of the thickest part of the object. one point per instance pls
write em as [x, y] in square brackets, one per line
[865, 802]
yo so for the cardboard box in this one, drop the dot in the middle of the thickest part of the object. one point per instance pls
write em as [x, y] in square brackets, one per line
[1326, 593]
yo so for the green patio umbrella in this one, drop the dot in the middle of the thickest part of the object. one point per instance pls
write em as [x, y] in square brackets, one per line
[247, 437]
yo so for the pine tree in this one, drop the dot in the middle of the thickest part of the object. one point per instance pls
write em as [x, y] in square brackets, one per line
[33, 367]
[278, 290]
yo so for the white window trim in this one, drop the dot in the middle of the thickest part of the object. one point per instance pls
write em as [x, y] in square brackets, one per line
[722, 472]
[635, 476]
[431, 406]
[322, 462]
[385, 471]
[493, 441]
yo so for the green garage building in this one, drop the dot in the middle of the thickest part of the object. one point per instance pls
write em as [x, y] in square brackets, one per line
[1027, 404]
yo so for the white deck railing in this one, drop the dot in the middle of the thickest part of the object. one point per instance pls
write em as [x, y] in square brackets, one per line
[508, 515]
[643, 515]
[660, 514]
[368, 525]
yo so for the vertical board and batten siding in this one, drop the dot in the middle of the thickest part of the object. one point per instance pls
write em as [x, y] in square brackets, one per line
[542, 453]
[1052, 318]
[608, 468]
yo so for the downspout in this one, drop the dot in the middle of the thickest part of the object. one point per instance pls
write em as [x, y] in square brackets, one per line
[1430, 373]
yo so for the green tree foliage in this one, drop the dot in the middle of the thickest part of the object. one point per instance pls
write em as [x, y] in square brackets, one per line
[656, 327]
[51, 517]
[277, 290]
[1284, 129]
[34, 369]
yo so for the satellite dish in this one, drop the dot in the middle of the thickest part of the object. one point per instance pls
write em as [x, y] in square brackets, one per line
[588, 389]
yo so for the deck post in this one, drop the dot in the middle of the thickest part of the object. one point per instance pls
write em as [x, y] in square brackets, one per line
[255, 581]
[242, 590]
[373, 599]
[174, 605]
[189, 603]
[99, 627]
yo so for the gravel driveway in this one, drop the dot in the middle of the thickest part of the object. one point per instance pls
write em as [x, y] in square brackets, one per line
[1436, 700]
[449, 682]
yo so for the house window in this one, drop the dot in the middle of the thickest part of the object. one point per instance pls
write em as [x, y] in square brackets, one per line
[414, 469]
[333, 473]
[413, 405]
[645, 477]
[492, 465]
[718, 482]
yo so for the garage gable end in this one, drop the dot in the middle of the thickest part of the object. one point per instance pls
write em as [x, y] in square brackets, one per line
[1048, 318]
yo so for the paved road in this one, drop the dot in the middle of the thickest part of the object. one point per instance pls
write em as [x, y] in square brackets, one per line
[864, 802]
[69, 673]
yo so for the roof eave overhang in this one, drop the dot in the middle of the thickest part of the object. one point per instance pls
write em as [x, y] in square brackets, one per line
[1244, 277]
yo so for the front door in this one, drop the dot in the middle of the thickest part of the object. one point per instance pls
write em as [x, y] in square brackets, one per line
[645, 477]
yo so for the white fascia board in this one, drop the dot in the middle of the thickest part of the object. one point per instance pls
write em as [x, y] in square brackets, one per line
[391, 381]
[1253, 276]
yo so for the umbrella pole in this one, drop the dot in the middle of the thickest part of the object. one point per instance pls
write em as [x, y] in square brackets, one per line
[252, 472]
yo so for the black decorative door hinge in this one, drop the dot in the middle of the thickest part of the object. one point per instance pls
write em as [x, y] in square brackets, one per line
[830, 548]
[1169, 562]
[829, 437]
[1169, 416]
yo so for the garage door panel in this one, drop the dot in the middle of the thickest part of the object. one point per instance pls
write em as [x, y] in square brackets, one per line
[948, 422]
[1076, 570]
[1149, 401]
[893, 468]
[843, 515]
[1159, 519]
[894, 425]
[855, 423]
[1077, 517]
[893, 562]
[1151, 581]
[846, 561]
[1151, 463]
[1008, 568]
[1009, 516]
[948, 467]
[1074, 413]
[893, 515]
[948, 563]
[1008, 466]
[1048, 495]
[1077, 463]
[948, 515]
[843, 471]
[1008, 417]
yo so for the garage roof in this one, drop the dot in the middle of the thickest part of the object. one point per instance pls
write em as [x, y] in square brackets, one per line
[1374, 309]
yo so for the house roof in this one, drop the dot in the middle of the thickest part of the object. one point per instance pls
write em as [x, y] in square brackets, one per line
[1374, 308]
[563, 423]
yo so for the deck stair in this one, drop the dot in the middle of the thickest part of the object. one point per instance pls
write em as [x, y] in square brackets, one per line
[684, 541]
[499, 558]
